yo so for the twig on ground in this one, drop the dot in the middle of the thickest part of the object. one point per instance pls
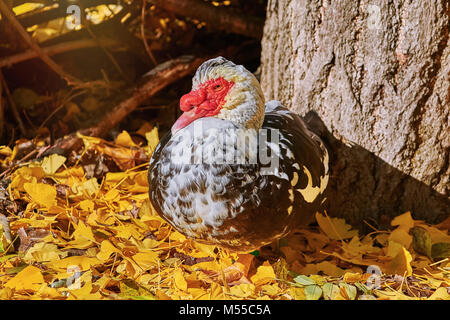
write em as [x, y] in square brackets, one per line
[18, 163]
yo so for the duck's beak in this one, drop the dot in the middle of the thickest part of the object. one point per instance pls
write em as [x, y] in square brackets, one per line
[189, 103]
[185, 119]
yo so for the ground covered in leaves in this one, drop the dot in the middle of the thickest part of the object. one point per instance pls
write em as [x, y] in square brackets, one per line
[82, 227]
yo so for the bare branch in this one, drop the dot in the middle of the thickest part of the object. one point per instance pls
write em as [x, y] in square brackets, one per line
[9, 14]
[220, 18]
[55, 49]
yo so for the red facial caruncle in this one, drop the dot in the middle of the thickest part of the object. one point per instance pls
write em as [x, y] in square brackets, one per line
[206, 101]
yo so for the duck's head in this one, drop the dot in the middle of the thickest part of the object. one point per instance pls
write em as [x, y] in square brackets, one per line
[223, 90]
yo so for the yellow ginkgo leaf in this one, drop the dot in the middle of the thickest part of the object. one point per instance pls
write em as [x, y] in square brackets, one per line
[440, 294]
[152, 139]
[242, 290]
[271, 289]
[29, 279]
[351, 277]
[335, 228]
[124, 140]
[392, 295]
[89, 141]
[401, 235]
[87, 205]
[126, 231]
[106, 250]
[89, 187]
[297, 293]
[69, 176]
[124, 205]
[52, 163]
[73, 262]
[330, 269]
[35, 223]
[84, 232]
[148, 243]
[216, 292]
[401, 264]
[264, 274]
[198, 293]
[308, 269]
[404, 221]
[206, 248]
[84, 293]
[5, 151]
[42, 252]
[45, 292]
[111, 195]
[179, 280]
[176, 236]
[393, 248]
[41, 193]
[83, 237]
[146, 260]
[123, 157]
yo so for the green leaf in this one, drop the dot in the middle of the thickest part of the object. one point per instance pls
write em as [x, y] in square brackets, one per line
[255, 253]
[363, 288]
[17, 269]
[129, 289]
[349, 289]
[293, 274]
[304, 280]
[440, 250]
[7, 257]
[313, 292]
[421, 241]
[330, 291]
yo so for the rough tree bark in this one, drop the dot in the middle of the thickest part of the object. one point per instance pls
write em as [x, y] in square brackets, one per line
[377, 73]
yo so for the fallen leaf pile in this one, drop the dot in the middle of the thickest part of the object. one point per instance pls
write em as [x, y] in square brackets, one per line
[83, 228]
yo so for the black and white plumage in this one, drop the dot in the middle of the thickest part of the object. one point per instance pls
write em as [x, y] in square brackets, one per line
[235, 204]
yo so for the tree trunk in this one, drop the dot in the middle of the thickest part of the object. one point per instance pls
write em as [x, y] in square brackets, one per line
[377, 74]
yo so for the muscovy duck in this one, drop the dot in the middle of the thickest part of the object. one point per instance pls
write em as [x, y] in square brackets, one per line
[204, 179]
